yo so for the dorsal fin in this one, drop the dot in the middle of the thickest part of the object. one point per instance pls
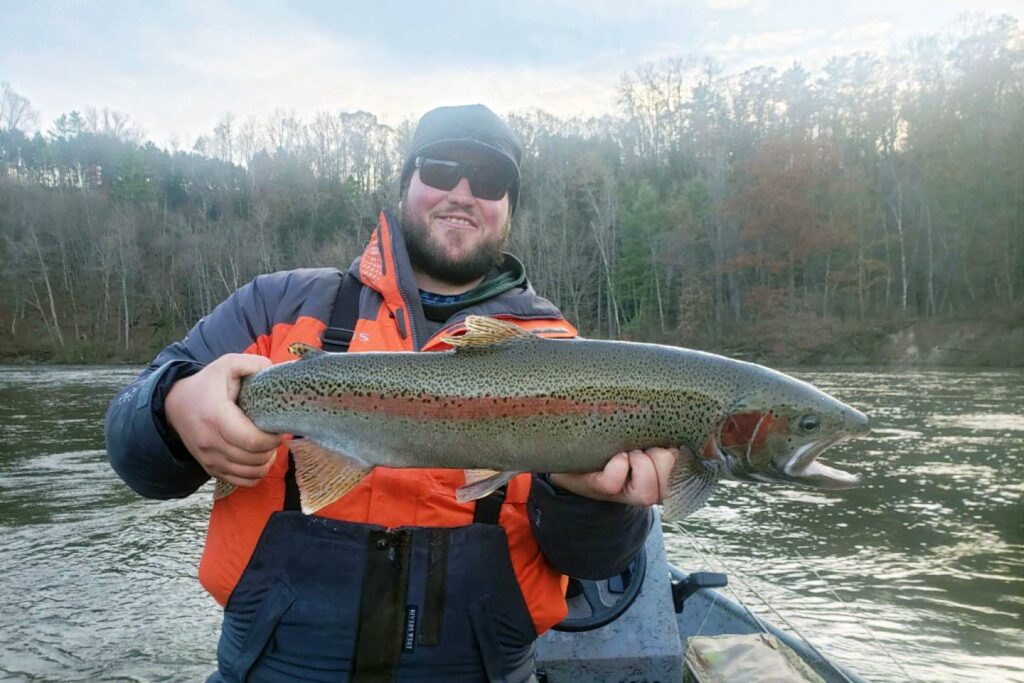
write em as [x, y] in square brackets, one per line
[304, 351]
[483, 332]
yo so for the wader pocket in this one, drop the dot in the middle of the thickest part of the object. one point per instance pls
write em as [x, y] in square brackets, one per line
[278, 600]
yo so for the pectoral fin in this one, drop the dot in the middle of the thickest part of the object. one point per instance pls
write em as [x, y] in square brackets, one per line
[690, 484]
[480, 483]
[323, 476]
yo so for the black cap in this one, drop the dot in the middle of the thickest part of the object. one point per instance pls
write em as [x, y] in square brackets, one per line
[466, 126]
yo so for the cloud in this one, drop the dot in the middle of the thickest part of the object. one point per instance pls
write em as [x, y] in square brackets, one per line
[769, 41]
[867, 31]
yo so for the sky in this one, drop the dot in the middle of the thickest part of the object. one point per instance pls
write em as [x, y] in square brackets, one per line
[176, 68]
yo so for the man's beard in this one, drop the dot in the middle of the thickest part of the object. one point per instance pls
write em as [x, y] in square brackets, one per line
[431, 257]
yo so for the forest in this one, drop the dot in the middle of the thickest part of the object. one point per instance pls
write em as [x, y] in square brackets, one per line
[778, 213]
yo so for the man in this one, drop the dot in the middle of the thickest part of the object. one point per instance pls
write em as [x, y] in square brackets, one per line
[396, 579]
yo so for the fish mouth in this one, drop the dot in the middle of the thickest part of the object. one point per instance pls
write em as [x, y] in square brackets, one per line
[803, 467]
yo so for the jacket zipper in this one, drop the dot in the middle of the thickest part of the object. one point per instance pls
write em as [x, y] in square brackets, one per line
[401, 289]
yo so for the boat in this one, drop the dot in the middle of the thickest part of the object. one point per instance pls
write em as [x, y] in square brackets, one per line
[654, 621]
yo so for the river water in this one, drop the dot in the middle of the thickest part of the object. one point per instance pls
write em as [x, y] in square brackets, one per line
[918, 575]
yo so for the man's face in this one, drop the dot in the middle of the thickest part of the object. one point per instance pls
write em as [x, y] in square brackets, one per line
[451, 235]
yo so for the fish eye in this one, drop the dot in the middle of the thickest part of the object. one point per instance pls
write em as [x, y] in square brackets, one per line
[809, 424]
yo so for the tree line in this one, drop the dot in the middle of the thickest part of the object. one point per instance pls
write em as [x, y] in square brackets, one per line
[770, 211]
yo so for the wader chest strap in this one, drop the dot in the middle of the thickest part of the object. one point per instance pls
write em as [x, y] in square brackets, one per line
[291, 486]
[338, 334]
[336, 338]
[488, 508]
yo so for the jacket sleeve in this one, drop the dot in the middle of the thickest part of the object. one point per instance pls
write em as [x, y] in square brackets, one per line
[582, 537]
[142, 450]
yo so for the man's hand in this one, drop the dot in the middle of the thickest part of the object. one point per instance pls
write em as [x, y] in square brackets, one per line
[202, 410]
[634, 478]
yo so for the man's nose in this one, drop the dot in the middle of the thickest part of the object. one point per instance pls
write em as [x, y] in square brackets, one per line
[461, 192]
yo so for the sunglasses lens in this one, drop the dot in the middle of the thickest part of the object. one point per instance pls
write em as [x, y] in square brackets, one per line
[489, 183]
[443, 175]
[486, 182]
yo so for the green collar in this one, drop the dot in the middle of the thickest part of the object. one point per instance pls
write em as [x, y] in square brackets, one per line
[509, 274]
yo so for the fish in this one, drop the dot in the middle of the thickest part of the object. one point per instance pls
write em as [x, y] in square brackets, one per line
[504, 401]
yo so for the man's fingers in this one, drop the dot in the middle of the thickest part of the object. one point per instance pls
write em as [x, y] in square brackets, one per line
[240, 365]
[237, 456]
[253, 473]
[635, 478]
[233, 367]
[643, 479]
[237, 430]
[612, 478]
[664, 459]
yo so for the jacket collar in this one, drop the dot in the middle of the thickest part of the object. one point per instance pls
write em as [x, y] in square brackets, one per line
[385, 267]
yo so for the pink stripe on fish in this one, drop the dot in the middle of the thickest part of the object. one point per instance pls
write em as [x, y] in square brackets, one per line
[454, 408]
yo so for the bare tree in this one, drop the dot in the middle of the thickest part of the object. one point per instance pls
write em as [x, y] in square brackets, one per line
[16, 112]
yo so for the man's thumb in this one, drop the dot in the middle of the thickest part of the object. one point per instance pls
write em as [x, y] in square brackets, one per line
[244, 364]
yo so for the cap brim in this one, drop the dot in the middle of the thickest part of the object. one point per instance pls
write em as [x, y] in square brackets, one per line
[453, 144]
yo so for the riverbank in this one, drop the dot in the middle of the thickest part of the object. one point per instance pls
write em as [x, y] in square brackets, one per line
[972, 344]
[907, 343]
[785, 341]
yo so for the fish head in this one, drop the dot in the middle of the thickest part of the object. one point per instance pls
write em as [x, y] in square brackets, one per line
[776, 435]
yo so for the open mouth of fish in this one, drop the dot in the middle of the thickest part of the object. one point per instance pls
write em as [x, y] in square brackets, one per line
[803, 467]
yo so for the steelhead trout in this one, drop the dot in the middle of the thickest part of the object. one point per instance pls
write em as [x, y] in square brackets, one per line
[505, 401]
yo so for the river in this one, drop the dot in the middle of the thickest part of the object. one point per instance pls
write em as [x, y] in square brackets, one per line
[917, 575]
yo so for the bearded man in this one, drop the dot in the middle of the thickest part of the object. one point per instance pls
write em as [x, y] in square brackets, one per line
[396, 579]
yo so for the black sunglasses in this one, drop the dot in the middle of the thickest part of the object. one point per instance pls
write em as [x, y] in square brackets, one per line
[486, 182]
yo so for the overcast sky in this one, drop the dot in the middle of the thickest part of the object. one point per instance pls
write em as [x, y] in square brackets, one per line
[175, 68]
